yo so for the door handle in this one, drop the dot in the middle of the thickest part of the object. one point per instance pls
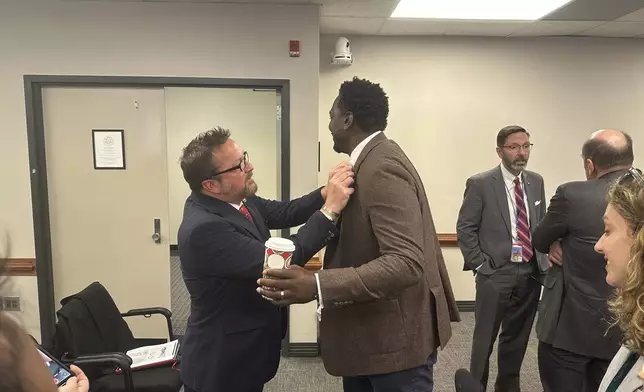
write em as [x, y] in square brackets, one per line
[156, 236]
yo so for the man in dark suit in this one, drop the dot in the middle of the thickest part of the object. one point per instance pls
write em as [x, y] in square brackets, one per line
[574, 347]
[500, 210]
[385, 299]
[233, 338]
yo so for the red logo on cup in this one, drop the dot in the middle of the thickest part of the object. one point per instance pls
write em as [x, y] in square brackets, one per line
[279, 252]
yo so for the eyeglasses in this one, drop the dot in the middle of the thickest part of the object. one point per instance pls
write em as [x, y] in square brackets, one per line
[516, 147]
[631, 175]
[241, 166]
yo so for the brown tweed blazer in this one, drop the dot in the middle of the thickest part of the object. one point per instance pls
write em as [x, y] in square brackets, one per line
[388, 301]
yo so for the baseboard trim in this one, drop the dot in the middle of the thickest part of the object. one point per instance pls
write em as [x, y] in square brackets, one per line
[466, 306]
[303, 350]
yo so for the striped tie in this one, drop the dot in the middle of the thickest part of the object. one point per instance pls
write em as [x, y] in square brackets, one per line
[246, 213]
[523, 229]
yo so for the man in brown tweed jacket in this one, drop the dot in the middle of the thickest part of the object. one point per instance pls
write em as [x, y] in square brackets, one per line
[385, 298]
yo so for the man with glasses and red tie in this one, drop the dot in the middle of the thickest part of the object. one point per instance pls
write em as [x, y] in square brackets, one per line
[500, 210]
[576, 344]
[233, 338]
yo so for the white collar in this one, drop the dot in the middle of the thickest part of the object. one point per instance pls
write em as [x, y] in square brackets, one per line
[358, 150]
[509, 177]
[237, 206]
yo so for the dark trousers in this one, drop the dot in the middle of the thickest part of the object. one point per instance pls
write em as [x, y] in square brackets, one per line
[258, 389]
[564, 371]
[505, 300]
[411, 380]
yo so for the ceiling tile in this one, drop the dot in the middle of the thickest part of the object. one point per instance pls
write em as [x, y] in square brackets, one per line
[412, 27]
[232, 1]
[591, 10]
[451, 27]
[358, 8]
[496, 29]
[104, 1]
[637, 16]
[616, 29]
[548, 27]
[360, 26]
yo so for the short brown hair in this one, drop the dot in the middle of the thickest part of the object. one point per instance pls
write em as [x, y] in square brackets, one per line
[505, 132]
[196, 160]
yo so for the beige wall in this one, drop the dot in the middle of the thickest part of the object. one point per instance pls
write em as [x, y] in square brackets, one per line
[24, 287]
[250, 116]
[152, 39]
[450, 96]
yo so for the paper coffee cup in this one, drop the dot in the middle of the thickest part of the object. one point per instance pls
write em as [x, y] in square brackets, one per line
[278, 252]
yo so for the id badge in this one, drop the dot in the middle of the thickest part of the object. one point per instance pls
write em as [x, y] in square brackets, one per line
[517, 253]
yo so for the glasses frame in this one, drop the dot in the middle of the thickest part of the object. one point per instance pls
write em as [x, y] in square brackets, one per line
[632, 174]
[241, 166]
[514, 148]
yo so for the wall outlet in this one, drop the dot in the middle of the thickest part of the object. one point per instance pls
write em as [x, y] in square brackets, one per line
[11, 304]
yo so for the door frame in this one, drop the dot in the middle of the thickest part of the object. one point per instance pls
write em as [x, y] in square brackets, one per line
[34, 85]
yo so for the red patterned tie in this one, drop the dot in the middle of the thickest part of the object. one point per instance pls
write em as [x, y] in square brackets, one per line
[523, 228]
[246, 213]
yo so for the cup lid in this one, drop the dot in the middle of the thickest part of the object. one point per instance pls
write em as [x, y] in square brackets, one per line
[280, 244]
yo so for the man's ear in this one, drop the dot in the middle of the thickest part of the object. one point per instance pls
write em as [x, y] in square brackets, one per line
[348, 120]
[590, 166]
[211, 185]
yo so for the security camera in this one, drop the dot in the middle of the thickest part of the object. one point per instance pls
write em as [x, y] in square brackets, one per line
[342, 54]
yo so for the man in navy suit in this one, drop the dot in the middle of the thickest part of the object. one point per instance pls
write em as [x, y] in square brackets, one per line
[233, 338]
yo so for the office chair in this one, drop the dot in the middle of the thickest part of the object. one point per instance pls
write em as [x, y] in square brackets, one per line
[91, 333]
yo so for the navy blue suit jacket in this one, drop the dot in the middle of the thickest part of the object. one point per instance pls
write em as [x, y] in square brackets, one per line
[233, 338]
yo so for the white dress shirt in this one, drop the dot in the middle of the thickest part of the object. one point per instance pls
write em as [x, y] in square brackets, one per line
[353, 158]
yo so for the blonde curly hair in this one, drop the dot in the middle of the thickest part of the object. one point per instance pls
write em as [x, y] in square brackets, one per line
[627, 197]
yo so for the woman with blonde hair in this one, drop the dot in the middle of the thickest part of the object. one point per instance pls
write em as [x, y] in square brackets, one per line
[622, 245]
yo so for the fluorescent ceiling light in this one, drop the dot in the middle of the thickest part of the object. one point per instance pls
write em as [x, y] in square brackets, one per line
[477, 9]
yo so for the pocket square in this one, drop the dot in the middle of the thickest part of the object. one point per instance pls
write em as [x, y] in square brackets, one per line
[536, 203]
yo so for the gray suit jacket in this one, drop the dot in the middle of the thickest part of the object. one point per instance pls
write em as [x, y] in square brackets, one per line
[577, 294]
[483, 228]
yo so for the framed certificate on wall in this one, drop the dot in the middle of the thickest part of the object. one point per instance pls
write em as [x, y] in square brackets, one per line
[109, 149]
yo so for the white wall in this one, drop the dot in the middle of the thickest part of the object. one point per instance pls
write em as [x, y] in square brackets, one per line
[249, 115]
[151, 39]
[450, 96]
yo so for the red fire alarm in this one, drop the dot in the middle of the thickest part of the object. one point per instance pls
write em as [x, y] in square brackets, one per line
[294, 48]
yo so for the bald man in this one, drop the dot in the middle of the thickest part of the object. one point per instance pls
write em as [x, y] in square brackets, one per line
[574, 347]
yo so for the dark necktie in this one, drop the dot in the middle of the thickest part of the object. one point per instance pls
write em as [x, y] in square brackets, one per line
[246, 213]
[523, 228]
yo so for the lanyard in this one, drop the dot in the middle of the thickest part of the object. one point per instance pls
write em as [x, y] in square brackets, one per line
[623, 372]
